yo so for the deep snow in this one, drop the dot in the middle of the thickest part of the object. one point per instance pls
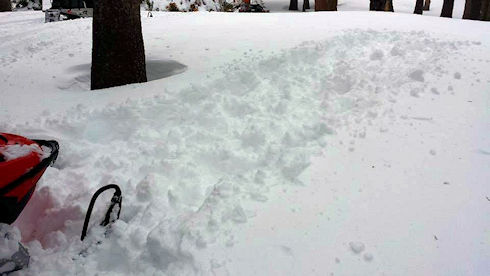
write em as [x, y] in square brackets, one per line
[350, 143]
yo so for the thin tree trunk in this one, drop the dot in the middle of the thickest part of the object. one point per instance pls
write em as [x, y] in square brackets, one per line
[389, 6]
[418, 7]
[293, 5]
[306, 5]
[485, 10]
[427, 5]
[447, 8]
[118, 53]
[5, 5]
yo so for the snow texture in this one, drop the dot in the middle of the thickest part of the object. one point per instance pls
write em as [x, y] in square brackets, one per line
[259, 156]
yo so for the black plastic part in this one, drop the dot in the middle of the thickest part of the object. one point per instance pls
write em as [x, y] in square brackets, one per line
[115, 200]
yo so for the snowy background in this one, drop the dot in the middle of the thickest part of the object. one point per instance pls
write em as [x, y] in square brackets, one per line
[344, 143]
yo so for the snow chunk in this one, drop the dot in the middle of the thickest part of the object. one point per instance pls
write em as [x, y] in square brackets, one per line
[11, 152]
[357, 247]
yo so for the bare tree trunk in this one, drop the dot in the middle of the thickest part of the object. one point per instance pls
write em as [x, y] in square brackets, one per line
[475, 9]
[467, 9]
[418, 7]
[5, 5]
[118, 52]
[320, 5]
[447, 8]
[331, 5]
[485, 10]
[293, 5]
[426, 5]
[381, 5]
[389, 6]
[306, 5]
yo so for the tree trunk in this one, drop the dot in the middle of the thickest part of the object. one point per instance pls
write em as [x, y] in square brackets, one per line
[306, 5]
[5, 5]
[485, 10]
[467, 9]
[419, 7]
[447, 8]
[389, 6]
[427, 5]
[331, 5]
[320, 5]
[118, 52]
[381, 5]
[293, 5]
[475, 9]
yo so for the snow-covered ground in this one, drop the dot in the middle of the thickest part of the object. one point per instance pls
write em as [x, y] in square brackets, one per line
[345, 143]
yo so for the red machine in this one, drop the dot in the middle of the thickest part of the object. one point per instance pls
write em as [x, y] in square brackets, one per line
[22, 163]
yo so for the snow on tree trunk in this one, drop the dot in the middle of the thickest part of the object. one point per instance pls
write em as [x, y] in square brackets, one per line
[118, 53]
[5, 5]
[419, 7]
[447, 8]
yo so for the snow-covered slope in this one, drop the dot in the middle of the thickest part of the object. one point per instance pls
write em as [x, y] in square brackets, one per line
[350, 143]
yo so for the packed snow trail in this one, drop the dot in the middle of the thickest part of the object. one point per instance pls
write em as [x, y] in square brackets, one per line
[187, 159]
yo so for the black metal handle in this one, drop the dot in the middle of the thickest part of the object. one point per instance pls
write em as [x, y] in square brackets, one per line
[116, 199]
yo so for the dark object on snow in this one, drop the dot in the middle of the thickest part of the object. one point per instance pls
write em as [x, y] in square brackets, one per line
[109, 218]
[419, 7]
[447, 8]
[118, 52]
[18, 261]
[20, 174]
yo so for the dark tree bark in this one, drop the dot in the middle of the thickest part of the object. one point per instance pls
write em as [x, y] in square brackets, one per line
[118, 52]
[306, 5]
[5, 5]
[389, 6]
[381, 5]
[325, 5]
[293, 5]
[427, 5]
[475, 9]
[467, 9]
[485, 10]
[331, 5]
[418, 7]
[447, 8]
[320, 5]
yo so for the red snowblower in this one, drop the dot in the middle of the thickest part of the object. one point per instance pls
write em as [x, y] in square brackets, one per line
[22, 163]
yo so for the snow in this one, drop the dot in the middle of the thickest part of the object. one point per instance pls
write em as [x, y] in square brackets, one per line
[352, 143]
[11, 152]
